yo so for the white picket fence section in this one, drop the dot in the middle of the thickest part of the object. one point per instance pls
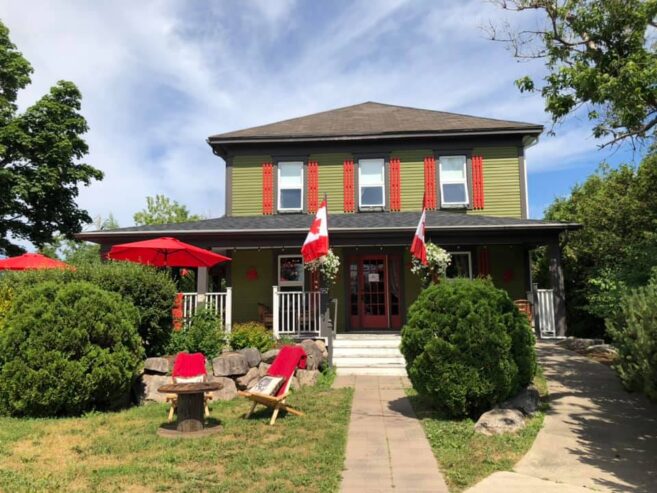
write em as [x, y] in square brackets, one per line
[219, 303]
[544, 306]
[296, 313]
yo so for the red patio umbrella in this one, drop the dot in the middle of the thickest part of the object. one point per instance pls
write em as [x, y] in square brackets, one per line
[29, 261]
[166, 252]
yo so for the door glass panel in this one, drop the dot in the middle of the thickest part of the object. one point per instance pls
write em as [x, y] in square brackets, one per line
[374, 302]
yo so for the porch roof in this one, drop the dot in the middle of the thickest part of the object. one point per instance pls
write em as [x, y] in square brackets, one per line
[366, 224]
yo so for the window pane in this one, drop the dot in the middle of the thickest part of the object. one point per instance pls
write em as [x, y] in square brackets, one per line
[452, 168]
[371, 196]
[453, 193]
[371, 171]
[289, 174]
[460, 266]
[290, 199]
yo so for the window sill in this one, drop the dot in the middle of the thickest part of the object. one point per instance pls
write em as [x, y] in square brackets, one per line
[372, 208]
[455, 206]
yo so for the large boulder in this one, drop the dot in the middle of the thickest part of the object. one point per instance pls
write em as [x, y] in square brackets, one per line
[526, 401]
[579, 344]
[146, 388]
[247, 381]
[263, 368]
[602, 349]
[315, 358]
[230, 364]
[270, 356]
[498, 421]
[158, 366]
[252, 356]
[307, 377]
[227, 392]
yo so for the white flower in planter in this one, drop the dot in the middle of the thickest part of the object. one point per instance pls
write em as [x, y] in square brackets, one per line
[437, 262]
[327, 265]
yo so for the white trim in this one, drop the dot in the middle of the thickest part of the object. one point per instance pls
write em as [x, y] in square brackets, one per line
[463, 182]
[469, 254]
[282, 283]
[383, 185]
[278, 186]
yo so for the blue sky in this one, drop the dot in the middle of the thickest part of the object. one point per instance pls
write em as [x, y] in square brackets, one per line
[159, 77]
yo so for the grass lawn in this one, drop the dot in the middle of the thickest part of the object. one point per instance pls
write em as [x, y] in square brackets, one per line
[466, 457]
[122, 452]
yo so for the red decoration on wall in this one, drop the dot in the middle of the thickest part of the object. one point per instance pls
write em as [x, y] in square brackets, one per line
[267, 188]
[508, 276]
[313, 186]
[252, 274]
[395, 184]
[430, 183]
[177, 312]
[477, 182]
[484, 262]
[348, 185]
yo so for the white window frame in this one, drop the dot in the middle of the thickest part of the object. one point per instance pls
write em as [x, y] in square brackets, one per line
[469, 255]
[300, 187]
[464, 182]
[383, 185]
[299, 283]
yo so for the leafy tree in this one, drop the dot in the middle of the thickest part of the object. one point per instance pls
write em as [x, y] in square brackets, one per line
[40, 153]
[598, 53]
[162, 210]
[617, 246]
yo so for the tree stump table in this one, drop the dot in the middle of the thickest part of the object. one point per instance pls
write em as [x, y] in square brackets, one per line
[189, 409]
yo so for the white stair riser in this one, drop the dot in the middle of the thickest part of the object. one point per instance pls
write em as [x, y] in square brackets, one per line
[381, 372]
[365, 352]
[370, 362]
[366, 344]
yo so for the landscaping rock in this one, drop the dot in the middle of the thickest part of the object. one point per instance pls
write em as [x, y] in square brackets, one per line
[159, 366]
[602, 349]
[579, 344]
[307, 377]
[315, 359]
[230, 364]
[227, 392]
[270, 355]
[245, 381]
[526, 401]
[321, 345]
[294, 384]
[499, 421]
[252, 356]
[146, 388]
[263, 368]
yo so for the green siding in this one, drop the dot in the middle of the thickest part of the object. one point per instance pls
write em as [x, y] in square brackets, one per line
[247, 185]
[412, 177]
[501, 182]
[248, 293]
[509, 259]
[331, 179]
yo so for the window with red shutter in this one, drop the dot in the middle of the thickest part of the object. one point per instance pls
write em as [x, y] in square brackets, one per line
[267, 189]
[395, 184]
[477, 182]
[430, 183]
[313, 186]
[348, 184]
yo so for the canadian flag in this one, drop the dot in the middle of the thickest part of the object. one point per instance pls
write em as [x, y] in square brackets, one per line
[317, 242]
[418, 247]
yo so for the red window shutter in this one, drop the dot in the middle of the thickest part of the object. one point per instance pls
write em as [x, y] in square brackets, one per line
[348, 181]
[484, 262]
[313, 186]
[477, 182]
[430, 182]
[395, 184]
[267, 188]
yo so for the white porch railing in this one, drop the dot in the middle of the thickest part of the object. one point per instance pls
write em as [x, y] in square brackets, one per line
[296, 313]
[220, 304]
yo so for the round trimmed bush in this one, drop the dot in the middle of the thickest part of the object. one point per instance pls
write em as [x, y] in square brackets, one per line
[251, 334]
[467, 347]
[66, 349]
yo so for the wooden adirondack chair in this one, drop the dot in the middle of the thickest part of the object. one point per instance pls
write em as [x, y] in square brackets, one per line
[288, 360]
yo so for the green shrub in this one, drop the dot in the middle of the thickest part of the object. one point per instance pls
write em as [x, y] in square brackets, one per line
[66, 349]
[634, 330]
[251, 334]
[204, 334]
[150, 290]
[6, 296]
[467, 347]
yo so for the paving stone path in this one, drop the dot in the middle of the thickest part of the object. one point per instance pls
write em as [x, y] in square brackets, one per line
[387, 450]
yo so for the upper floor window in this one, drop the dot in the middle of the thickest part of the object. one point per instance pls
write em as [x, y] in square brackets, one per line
[453, 181]
[371, 182]
[290, 186]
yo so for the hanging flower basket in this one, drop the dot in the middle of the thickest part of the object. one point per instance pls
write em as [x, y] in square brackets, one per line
[437, 262]
[328, 266]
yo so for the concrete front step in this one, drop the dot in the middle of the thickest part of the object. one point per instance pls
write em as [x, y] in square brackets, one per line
[381, 372]
[372, 362]
[368, 343]
[366, 352]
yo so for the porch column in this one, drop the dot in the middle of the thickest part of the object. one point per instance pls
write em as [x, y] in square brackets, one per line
[557, 285]
[201, 285]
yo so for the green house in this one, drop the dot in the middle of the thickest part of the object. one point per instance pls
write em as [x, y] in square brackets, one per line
[377, 164]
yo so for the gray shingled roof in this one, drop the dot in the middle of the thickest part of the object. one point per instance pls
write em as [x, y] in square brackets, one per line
[373, 120]
[370, 221]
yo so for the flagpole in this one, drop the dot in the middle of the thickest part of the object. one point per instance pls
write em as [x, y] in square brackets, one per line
[325, 329]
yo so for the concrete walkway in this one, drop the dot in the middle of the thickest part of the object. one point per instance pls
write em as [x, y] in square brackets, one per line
[596, 435]
[387, 450]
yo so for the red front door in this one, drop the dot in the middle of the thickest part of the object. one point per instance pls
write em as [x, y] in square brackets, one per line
[373, 304]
